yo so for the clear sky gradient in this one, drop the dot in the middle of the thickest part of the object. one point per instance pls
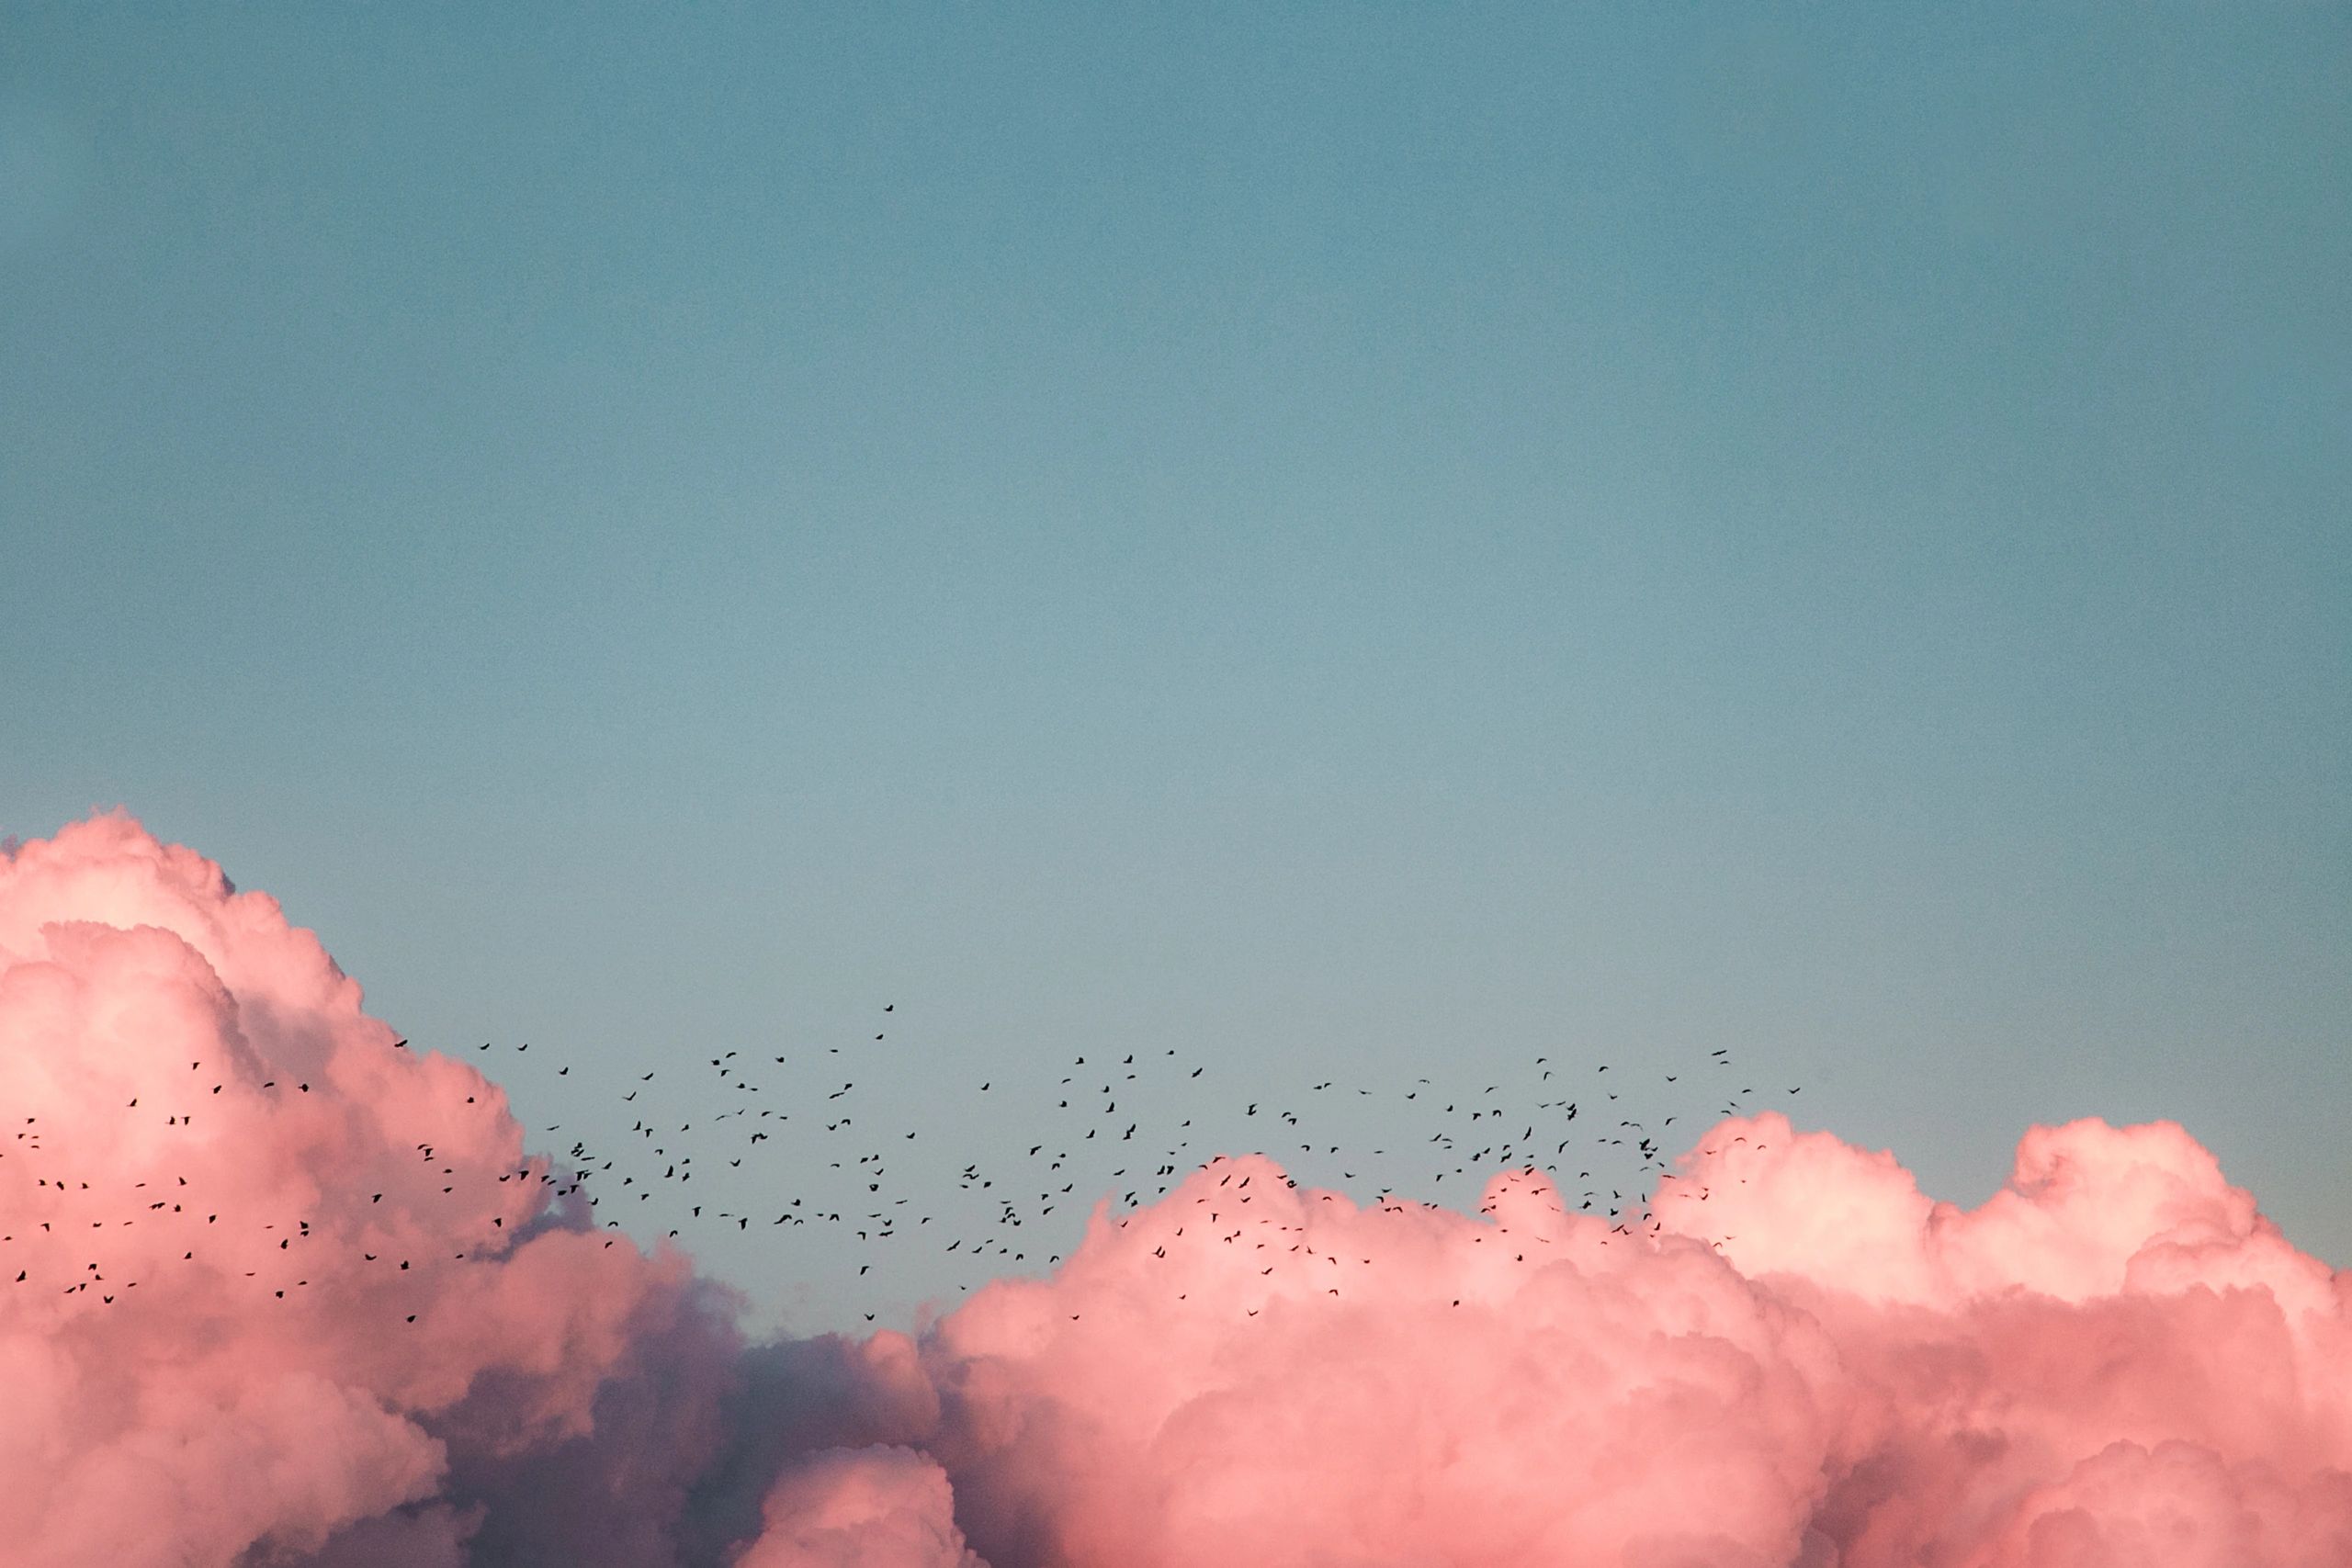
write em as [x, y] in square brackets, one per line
[1323, 538]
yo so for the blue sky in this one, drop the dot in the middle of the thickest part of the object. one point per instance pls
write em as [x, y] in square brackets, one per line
[1318, 537]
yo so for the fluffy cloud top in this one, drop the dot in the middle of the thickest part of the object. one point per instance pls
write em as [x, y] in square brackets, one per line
[216, 1164]
[879, 1508]
[2115, 1360]
[253, 1246]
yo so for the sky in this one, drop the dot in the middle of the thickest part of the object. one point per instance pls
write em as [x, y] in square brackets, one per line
[1324, 540]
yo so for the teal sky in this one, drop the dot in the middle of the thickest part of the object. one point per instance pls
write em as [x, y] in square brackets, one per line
[1323, 538]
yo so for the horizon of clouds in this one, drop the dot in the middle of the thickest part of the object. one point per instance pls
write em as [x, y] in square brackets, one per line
[2115, 1360]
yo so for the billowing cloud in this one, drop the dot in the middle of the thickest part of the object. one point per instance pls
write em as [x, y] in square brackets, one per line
[1805, 1361]
[879, 1508]
[253, 1247]
[1800, 1360]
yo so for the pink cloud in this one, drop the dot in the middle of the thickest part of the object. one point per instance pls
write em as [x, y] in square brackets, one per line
[877, 1508]
[1805, 1362]
[211, 1345]
[1802, 1362]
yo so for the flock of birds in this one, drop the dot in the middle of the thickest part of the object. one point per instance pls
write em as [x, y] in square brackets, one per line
[720, 1143]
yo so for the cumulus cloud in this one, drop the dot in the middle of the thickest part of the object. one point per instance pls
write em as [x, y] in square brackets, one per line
[1802, 1362]
[2115, 1359]
[879, 1508]
[261, 1250]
